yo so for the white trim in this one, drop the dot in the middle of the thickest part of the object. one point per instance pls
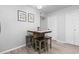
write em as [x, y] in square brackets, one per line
[12, 49]
[61, 41]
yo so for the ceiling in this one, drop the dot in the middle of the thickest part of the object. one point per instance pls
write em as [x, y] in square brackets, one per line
[47, 9]
[50, 8]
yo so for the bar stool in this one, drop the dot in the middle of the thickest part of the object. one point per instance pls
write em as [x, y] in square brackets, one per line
[40, 44]
[29, 40]
[50, 43]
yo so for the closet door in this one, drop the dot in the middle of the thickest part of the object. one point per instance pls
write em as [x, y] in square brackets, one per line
[72, 27]
[69, 17]
[76, 27]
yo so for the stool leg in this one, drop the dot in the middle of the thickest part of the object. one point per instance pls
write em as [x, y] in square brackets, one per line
[47, 45]
[50, 43]
[39, 47]
[35, 45]
[32, 42]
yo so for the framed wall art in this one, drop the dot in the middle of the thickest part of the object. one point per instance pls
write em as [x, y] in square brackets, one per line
[31, 17]
[22, 16]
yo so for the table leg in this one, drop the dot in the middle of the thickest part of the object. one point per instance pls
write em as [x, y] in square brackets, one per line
[50, 43]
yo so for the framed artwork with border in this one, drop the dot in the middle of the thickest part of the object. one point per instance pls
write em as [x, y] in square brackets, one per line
[22, 16]
[31, 17]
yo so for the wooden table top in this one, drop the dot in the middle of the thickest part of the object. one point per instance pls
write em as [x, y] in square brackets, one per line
[40, 31]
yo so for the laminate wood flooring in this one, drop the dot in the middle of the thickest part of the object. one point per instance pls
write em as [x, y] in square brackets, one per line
[57, 48]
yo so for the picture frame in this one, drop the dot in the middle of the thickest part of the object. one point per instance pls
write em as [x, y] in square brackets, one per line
[22, 16]
[31, 17]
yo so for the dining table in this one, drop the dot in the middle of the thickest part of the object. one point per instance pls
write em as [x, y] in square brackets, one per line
[39, 33]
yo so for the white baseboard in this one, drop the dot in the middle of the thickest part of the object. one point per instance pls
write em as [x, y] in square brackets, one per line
[61, 41]
[12, 49]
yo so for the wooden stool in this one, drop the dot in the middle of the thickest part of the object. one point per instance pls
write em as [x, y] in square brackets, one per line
[29, 40]
[40, 44]
[46, 39]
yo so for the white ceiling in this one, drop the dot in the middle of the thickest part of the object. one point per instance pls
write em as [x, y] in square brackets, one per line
[51, 8]
[47, 9]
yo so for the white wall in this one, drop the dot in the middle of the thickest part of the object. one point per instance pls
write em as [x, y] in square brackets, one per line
[13, 32]
[67, 24]
[52, 25]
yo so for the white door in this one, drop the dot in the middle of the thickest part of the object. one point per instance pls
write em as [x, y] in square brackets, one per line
[76, 28]
[43, 24]
[69, 17]
[72, 27]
